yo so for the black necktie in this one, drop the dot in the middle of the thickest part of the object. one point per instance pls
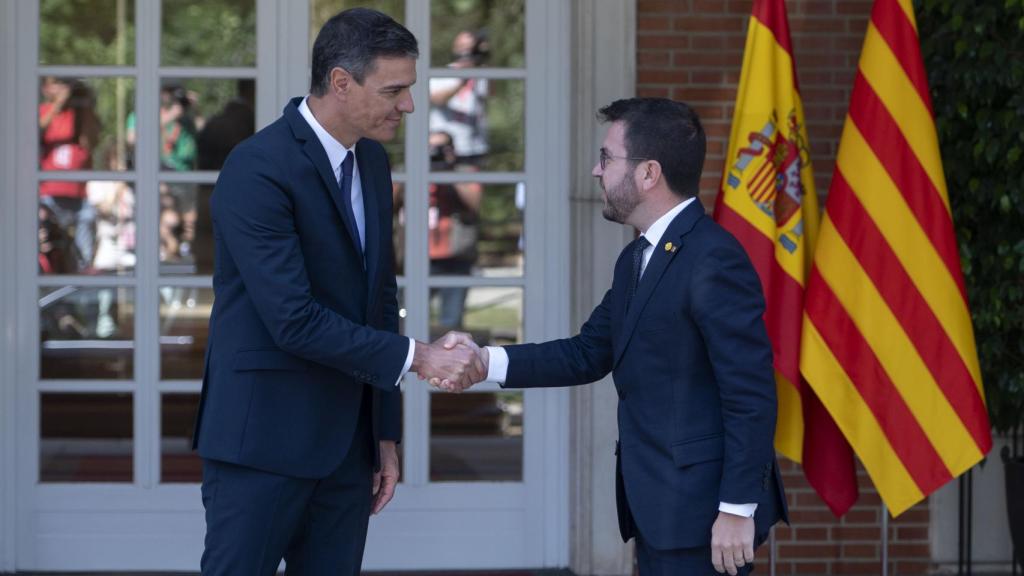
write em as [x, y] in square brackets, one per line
[639, 245]
[346, 197]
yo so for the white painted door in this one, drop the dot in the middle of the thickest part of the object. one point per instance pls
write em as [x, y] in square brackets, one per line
[127, 108]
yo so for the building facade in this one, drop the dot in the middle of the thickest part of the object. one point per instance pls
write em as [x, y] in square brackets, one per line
[115, 116]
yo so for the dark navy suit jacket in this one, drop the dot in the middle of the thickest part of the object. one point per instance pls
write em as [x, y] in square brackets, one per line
[692, 365]
[301, 329]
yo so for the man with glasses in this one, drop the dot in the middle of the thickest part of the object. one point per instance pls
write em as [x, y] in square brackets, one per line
[681, 330]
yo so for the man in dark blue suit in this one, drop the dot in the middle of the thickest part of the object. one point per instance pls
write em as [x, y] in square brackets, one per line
[682, 332]
[300, 409]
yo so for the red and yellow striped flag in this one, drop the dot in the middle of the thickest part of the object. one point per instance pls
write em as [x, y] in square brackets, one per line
[887, 339]
[767, 200]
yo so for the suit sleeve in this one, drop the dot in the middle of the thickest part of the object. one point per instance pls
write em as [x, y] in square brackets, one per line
[252, 214]
[584, 358]
[391, 400]
[728, 307]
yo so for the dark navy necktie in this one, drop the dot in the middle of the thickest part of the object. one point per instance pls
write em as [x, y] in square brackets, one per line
[346, 197]
[639, 245]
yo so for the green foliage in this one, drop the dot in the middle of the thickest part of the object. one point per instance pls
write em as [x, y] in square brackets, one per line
[974, 53]
[503, 20]
[208, 33]
[87, 32]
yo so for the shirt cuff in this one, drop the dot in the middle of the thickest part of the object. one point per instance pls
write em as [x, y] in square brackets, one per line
[408, 361]
[497, 364]
[744, 510]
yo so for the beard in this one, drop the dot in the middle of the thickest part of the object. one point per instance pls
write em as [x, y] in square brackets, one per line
[620, 200]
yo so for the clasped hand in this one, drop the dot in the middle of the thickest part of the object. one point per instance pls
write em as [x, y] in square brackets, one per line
[453, 363]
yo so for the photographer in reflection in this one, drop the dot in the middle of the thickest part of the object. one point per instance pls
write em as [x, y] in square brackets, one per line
[458, 106]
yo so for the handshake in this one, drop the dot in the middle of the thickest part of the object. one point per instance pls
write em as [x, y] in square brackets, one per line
[453, 363]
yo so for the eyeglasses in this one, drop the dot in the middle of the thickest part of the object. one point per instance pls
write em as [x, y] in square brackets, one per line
[604, 157]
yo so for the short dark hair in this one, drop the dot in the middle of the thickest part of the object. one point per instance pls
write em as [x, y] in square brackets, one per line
[353, 39]
[663, 130]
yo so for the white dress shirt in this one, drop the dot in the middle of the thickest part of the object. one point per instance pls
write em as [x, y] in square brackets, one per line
[497, 366]
[336, 154]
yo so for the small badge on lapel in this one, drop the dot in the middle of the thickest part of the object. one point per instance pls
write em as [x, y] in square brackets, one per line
[670, 247]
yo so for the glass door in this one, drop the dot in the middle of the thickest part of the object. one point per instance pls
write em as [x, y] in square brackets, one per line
[128, 108]
[136, 104]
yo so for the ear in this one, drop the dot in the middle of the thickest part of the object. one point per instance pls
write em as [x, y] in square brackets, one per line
[648, 174]
[341, 81]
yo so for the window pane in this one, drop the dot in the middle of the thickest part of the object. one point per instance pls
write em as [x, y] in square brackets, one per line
[480, 119]
[208, 33]
[86, 124]
[477, 436]
[184, 326]
[85, 438]
[86, 227]
[493, 315]
[402, 312]
[87, 32]
[320, 11]
[201, 120]
[398, 227]
[476, 229]
[477, 33]
[86, 333]
[186, 229]
[178, 463]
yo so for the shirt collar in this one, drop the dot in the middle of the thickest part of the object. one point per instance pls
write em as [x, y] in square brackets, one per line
[657, 230]
[336, 151]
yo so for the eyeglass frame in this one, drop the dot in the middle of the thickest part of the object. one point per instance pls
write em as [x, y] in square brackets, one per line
[603, 157]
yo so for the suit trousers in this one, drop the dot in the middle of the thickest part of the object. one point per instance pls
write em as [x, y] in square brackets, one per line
[688, 561]
[255, 518]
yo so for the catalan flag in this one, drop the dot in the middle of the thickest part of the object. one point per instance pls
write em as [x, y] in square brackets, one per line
[767, 200]
[887, 339]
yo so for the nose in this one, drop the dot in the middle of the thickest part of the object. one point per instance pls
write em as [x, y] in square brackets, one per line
[405, 104]
[597, 172]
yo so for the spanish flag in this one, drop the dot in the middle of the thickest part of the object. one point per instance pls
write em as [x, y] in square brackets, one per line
[767, 200]
[887, 339]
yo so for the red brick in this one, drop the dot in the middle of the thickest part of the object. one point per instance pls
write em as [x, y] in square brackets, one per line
[912, 533]
[860, 551]
[819, 534]
[897, 550]
[670, 76]
[711, 24]
[855, 533]
[709, 6]
[652, 6]
[651, 23]
[813, 551]
[646, 59]
[661, 42]
[652, 92]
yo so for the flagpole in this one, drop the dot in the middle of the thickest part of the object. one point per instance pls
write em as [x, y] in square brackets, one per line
[772, 550]
[885, 540]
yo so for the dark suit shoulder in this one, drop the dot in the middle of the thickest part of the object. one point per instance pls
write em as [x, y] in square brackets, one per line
[711, 237]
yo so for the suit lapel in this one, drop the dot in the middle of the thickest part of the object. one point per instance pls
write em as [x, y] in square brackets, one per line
[368, 170]
[656, 267]
[318, 156]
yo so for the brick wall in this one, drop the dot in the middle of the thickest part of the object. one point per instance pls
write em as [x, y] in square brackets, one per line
[692, 50]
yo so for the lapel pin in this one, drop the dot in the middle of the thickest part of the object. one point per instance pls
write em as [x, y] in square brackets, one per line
[670, 247]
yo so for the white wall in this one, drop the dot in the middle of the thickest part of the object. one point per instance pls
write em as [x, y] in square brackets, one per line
[604, 69]
[992, 549]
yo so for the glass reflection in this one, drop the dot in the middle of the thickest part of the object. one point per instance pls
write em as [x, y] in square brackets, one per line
[208, 33]
[201, 120]
[476, 229]
[482, 119]
[398, 226]
[85, 438]
[184, 325]
[492, 315]
[84, 125]
[87, 32]
[94, 234]
[186, 229]
[476, 436]
[86, 333]
[495, 32]
[178, 463]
